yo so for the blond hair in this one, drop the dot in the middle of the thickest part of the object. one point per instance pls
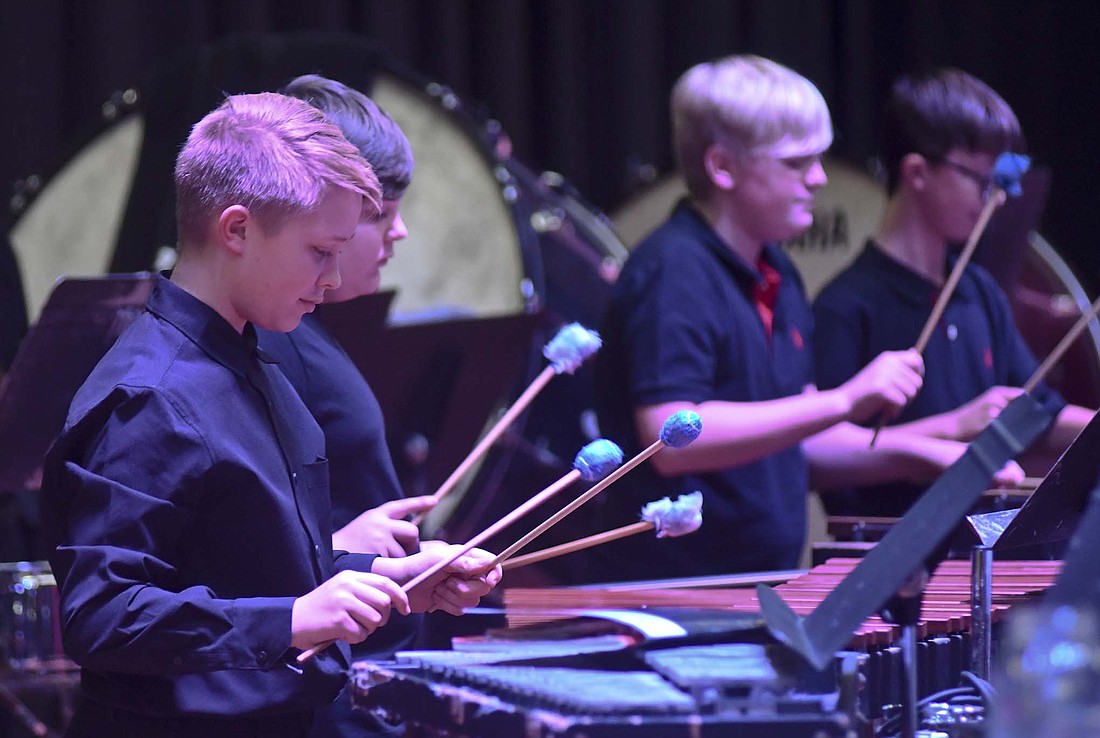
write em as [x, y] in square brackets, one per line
[273, 154]
[752, 105]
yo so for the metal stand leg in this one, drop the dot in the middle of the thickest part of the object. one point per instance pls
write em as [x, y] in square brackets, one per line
[904, 609]
[981, 610]
[31, 722]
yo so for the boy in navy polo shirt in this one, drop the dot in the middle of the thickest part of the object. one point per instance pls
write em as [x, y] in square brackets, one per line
[709, 314]
[942, 133]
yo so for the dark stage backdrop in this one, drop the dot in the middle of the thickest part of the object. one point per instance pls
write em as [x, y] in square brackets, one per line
[581, 86]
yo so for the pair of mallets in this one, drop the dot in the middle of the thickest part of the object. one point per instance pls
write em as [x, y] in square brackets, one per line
[600, 462]
[569, 348]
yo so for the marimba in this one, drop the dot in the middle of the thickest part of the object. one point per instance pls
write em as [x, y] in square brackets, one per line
[603, 682]
[944, 629]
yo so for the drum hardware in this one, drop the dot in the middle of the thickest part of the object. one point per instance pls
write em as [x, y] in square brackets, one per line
[904, 609]
[981, 611]
[34, 666]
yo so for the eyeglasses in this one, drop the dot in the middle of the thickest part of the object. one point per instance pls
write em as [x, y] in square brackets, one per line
[985, 184]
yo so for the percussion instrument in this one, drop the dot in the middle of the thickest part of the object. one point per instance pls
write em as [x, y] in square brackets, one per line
[37, 682]
[944, 626]
[597, 686]
[30, 633]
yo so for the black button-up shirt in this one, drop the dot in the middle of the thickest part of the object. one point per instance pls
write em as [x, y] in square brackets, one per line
[187, 498]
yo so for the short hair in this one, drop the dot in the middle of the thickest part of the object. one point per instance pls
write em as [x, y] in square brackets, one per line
[934, 112]
[271, 153]
[753, 105]
[376, 135]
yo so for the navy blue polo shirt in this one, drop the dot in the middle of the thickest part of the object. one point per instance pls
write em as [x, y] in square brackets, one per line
[683, 324]
[877, 304]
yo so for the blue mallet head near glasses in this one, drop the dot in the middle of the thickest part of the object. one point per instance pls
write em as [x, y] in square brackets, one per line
[1008, 170]
[681, 428]
[570, 347]
[598, 459]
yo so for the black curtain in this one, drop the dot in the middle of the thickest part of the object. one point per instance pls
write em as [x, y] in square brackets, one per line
[581, 86]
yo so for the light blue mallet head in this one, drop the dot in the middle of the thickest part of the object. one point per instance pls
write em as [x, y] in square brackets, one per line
[598, 459]
[675, 518]
[570, 347]
[1008, 170]
[681, 428]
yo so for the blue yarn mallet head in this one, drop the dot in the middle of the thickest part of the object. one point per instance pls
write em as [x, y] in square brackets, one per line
[1008, 170]
[570, 347]
[598, 459]
[681, 428]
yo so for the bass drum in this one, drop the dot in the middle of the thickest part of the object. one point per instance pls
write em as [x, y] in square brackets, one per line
[1046, 297]
[471, 250]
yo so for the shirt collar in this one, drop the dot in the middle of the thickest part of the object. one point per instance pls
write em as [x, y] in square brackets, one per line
[906, 283]
[747, 274]
[206, 328]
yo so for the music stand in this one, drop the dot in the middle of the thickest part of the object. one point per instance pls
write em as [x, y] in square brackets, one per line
[916, 537]
[1049, 515]
[437, 382]
[81, 320]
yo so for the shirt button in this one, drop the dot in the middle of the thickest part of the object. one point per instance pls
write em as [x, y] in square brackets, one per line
[178, 661]
[294, 477]
[262, 654]
[317, 549]
[952, 332]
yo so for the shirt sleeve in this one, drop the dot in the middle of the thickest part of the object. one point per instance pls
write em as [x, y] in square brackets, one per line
[669, 343]
[123, 486]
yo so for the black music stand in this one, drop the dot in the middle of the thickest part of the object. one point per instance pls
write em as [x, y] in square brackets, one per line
[437, 383]
[79, 322]
[1051, 513]
[915, 538]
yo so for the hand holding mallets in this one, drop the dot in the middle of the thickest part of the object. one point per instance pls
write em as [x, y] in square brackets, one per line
[1007, 172]
[593, 462]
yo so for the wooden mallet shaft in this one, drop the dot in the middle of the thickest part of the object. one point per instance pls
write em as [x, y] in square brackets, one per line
[486, 534]
[1067, 340]
[583, 498]
[995, 200]
[578, 545]
[495, 432]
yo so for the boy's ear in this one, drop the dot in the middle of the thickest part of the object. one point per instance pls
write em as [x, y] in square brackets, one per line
[234, 225]
[718, 163]
[914, 171]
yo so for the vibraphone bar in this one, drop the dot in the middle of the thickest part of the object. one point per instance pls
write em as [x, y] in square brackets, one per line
[943, 652]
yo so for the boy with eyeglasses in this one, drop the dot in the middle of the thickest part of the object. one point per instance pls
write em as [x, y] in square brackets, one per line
[942, 133]
[710, 314]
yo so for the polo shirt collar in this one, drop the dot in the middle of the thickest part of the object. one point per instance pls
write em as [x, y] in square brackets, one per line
[904, 282]
[748, 275]
[206, 328]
